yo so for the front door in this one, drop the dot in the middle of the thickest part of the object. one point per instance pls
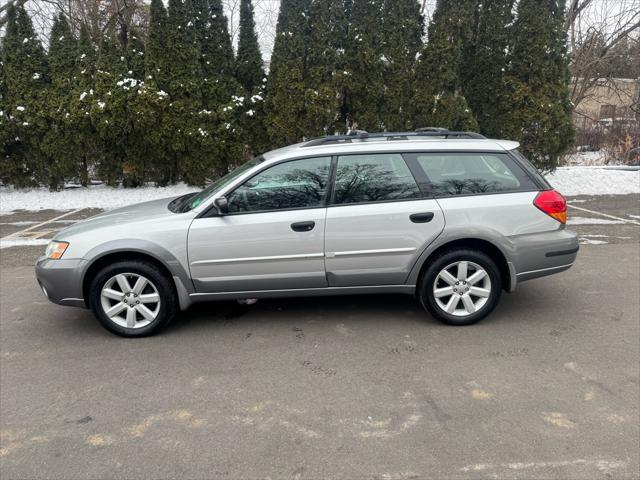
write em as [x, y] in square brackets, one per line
[378, 221]
[273, 236]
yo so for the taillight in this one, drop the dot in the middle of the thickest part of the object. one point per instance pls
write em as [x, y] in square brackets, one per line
[553, 204]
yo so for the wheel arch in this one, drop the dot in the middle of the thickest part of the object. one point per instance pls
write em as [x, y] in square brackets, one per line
[140, 251]
[495, 252]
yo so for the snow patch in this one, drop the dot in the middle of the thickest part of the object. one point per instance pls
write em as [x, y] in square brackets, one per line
[588, 241]
[21, 242]
[99, 196]
[594, 181]
[592, 221]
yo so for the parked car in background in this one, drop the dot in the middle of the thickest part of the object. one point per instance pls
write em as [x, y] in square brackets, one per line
[451, 218]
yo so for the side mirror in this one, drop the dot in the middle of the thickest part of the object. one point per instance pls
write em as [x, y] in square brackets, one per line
[222, 204]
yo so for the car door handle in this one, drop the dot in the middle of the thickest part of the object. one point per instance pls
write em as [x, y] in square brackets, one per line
[303, 226]
[421, 217]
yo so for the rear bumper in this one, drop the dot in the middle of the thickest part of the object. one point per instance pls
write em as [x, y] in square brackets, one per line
[61, 280]
[541, 254]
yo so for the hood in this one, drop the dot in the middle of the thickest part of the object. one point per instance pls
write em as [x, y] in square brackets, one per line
[137, 214]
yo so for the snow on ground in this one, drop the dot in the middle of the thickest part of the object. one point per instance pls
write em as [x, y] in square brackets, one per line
[594, 181]
[99, 196]
[21, 242]
[569, 181]
[592, 221]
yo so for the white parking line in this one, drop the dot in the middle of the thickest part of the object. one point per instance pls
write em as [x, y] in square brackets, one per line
[33, 227]
[625, 220]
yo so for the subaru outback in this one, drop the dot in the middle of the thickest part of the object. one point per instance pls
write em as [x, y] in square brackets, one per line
[451, 218]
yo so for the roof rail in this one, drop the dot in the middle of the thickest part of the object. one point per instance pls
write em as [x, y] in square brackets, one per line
[390, 136]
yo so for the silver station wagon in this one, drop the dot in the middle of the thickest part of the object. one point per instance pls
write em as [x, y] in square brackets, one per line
[451, 218]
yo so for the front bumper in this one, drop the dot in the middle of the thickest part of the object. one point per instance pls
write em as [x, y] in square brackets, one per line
[61, 280]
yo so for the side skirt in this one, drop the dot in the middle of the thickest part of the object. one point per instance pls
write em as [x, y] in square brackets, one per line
[304, 292]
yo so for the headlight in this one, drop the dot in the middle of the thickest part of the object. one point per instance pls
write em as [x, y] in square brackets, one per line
[55, 250]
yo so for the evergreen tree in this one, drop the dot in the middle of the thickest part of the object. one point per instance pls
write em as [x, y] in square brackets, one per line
[163, 162]
[135, 55]
[155, 55]
[87, 144]
[26, 80]
[216, 53]
[223, 97]
[249, 70]
[537, 78]
[365, 66]
[109, 111]
[325, 77]
[402, 24]
[185, 91]
[59, 139]
[484, 72]
[439, 98]
[285, 102]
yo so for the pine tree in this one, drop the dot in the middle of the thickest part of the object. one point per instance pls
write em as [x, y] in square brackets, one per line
[285, 101]
[484, 72]
[216, 53]
[402, 24]
[439, 98]
[155, 55]
[26, 79]
[109, 108]
[59, 139]
[191, 155]
[223, 97]
[249, 70]
[163, 162]
[325, 78]
[86, 142]
[537, 78]
[365, 66]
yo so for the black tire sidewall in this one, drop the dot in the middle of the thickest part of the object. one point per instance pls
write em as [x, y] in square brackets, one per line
[427, 298]
[162, 283]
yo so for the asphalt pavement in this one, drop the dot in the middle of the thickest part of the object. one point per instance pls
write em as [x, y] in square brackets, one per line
[366, 387]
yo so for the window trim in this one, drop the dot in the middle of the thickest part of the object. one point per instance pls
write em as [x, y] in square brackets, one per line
[323, 204]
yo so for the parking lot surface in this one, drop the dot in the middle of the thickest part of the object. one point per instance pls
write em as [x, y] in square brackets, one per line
[349, 387]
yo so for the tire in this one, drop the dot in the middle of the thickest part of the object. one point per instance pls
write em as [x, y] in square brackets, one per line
[142, 315]
[475, 290]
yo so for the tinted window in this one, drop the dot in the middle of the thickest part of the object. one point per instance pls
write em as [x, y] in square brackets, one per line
[373, 178]
[526, 164]
[469, 173]
[295, 184]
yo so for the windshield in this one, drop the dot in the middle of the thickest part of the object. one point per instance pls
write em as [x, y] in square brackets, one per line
[192, 200]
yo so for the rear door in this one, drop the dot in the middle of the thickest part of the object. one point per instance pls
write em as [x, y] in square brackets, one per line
[273, 236]
[378, 221]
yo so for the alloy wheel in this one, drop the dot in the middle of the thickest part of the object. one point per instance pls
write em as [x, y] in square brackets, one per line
[462, 288]
[130, 300]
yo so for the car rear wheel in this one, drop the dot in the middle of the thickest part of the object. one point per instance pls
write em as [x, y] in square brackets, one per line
[461, 287]
[132, 298]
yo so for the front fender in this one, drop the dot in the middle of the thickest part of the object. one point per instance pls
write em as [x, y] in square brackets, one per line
[171, 260]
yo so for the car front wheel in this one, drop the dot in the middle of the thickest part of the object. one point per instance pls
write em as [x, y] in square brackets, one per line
[132, 298]
[461, 287]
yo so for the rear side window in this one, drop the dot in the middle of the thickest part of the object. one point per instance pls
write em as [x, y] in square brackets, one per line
[373, 178]
[450, 174]
[530, 169]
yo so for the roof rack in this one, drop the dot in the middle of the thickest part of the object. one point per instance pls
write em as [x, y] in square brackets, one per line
[390, 136]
